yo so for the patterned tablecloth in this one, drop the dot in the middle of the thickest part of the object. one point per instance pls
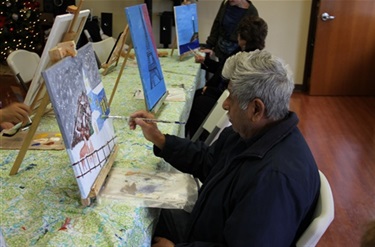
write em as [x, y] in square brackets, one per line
[41, 205]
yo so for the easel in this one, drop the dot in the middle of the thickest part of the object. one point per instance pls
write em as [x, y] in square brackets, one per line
[43, 99]
[125, 35]
[71, 34]
[66, 49]
[95, 189]
[174, 46]
[127, 55]
[97, 185]
[174, 43]
[62, 50]
[119, 46]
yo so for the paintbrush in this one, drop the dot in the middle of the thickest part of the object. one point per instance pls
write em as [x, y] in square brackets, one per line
[14, 130]
[144, 119]
[194, 52]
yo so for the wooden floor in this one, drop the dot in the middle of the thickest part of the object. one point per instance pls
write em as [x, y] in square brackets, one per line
[341, 135]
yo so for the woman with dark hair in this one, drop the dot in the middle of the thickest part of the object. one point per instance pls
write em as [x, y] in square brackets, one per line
[251, 35]
[222, 40]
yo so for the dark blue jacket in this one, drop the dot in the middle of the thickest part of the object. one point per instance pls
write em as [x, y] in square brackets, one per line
[257, 192]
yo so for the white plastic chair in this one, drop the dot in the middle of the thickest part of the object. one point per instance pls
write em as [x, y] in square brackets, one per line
[323, 216]
[23, 64]
[215, 121]
[219, 127]
[103, 49]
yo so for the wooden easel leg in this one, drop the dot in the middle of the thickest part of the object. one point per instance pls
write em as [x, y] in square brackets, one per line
[174, 45]
[125, 36]
[38, 97]
[119, 75]
[86, 201]
[69, 36]
[30, 134]
[100, 179]
[72, 34]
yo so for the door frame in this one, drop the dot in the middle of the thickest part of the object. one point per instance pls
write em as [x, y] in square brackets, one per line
[310, 45]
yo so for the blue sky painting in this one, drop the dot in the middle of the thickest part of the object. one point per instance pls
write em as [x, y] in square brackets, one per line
[153, 83]
[186, 27]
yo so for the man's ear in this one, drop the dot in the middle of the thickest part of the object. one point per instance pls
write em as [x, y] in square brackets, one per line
[259, 110]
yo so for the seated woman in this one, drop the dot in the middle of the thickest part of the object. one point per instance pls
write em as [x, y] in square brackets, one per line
[251, 35]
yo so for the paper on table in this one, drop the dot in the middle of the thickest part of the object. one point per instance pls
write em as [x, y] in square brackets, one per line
[174, 95]
[150, 188]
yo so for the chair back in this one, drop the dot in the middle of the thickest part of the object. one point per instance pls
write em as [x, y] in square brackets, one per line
[219, 127]
[103, 49]
[215, 120]
[323, 216]
[23, 64]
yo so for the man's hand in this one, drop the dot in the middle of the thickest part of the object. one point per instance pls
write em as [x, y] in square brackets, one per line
[162, 242]
[150, 129]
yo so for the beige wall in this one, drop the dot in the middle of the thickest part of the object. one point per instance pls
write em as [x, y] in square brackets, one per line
[288, 23]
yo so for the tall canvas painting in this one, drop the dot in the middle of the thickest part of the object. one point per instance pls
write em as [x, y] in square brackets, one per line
[79, 101]
[186, 20]
[60, 26]
[143, 41]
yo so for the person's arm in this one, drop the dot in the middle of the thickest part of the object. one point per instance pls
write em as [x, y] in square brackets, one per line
[211, 65]
[15, 113]
[183, 154]
[195, 158]
[150, 129]
[216, 28]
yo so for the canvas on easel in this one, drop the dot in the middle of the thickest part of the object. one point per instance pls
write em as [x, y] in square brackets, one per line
[187, 37]
[60, 27]
[68, 25]
[152, 78]
[79, 101]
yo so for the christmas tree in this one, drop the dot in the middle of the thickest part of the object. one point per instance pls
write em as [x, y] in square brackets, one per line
[20, 27]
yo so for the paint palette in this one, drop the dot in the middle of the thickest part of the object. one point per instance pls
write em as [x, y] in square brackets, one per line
[47, 139]
[41, 141]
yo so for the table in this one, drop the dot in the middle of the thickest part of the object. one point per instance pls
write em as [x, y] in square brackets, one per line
[41, 205]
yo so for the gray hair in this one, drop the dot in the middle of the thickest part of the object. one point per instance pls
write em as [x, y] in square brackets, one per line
[259, 74]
